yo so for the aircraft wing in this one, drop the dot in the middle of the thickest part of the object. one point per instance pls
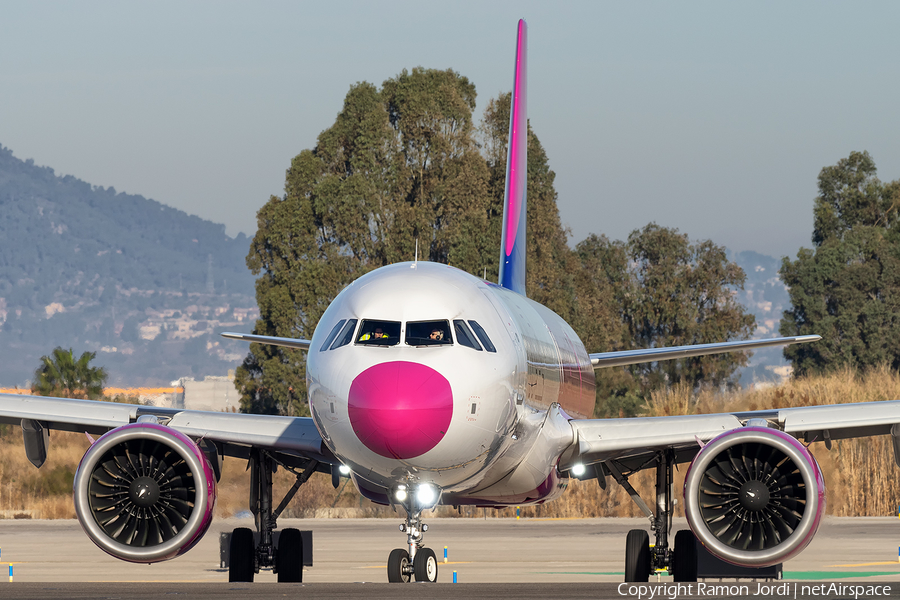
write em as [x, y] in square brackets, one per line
[633, 441]
[601, 360]
[235, 434]
[268, 339]
[294, 435]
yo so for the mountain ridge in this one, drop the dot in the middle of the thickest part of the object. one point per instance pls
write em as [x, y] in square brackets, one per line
[148, 287]
[94, 269]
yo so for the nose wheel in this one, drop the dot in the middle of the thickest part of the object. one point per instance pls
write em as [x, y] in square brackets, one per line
[425, 565]
[418, 562]
[399, 567]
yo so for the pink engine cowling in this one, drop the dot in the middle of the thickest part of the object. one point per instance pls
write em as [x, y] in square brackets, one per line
[144, 493]
[754, 496]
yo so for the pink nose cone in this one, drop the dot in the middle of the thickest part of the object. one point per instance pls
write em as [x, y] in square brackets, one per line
[400, 409]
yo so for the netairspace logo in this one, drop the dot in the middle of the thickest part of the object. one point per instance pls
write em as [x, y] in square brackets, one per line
[674, 591]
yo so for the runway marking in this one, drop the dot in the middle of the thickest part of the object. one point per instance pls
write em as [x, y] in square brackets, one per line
[872, 564]
[157, 581]
[826, 575]
[581, 572]
[467, 562]
[807, 575]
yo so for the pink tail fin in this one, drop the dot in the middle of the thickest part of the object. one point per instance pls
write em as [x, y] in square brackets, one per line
[512, 251]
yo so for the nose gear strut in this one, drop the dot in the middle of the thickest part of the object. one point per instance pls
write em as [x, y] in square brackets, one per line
[418, 561]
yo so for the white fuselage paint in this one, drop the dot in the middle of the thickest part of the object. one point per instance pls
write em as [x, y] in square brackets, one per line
[502, 401]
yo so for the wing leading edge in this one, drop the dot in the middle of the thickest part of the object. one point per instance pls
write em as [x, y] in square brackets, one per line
[635, 440]
[602, 360]
[296, 435]
[268, 339]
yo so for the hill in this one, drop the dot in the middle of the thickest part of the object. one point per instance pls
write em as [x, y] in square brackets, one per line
[148, 287]
[145, 285]
[766, 297]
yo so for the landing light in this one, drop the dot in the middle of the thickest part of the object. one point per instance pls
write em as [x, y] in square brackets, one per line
[344, 469]
[426, 495]
[578, 470]
[400, 494]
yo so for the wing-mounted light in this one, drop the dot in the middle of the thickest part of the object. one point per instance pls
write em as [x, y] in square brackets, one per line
[145, 493]
[754, 496]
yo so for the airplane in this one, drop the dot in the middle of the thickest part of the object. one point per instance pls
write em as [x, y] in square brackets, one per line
[430, 386]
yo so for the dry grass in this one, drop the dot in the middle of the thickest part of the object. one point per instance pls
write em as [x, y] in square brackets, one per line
[859, 473]
[27, 492]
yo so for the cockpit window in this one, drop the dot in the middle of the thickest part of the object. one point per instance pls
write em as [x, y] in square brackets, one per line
[379, 333]
[464, 335]
[483, 336]
[332, 335]
[428, 333]
[346, 335]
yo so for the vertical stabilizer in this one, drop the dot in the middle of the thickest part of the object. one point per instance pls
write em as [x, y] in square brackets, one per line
[512, 250]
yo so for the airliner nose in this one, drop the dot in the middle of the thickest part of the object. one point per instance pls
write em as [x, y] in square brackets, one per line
[400, 409]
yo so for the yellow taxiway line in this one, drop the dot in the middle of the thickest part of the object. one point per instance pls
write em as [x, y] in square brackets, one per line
[467, 562]
[872, 564]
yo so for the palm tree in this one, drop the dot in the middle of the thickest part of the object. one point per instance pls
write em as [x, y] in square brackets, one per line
[61, 375]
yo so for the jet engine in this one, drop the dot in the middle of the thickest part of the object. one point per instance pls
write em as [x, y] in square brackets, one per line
[144, 493]
[754, 496]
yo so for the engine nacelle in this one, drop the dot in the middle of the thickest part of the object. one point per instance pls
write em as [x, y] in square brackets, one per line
[144, 493]
[754, 496]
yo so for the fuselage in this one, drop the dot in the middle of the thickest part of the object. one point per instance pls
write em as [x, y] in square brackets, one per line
[420, 372]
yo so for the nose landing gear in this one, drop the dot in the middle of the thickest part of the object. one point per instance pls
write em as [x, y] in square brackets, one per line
[418, 561]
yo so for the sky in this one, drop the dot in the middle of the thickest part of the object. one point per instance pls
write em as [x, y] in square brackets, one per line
[711, 117]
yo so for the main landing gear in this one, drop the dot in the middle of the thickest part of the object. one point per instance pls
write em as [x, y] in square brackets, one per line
[641, 560]
[417, 561]
[247, 556]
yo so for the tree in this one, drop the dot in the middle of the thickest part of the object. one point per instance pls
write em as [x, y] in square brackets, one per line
[131, 329]
[551, 265]
[847, 288]
[399, 167]
[851, 196]
[63, 376]
[667, 292]
[682, 295]
[404, 165]
[603, 281]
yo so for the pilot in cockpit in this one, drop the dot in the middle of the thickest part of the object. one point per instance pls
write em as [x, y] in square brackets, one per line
[378, 334]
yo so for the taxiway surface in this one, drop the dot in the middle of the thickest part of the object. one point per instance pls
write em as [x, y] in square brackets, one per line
[481, 551]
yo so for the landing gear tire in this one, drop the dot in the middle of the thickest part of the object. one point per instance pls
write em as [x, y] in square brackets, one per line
[425, 565]
[637, 556]
[289, 557]
[241, 564]
[685, 568]
[398, 566]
